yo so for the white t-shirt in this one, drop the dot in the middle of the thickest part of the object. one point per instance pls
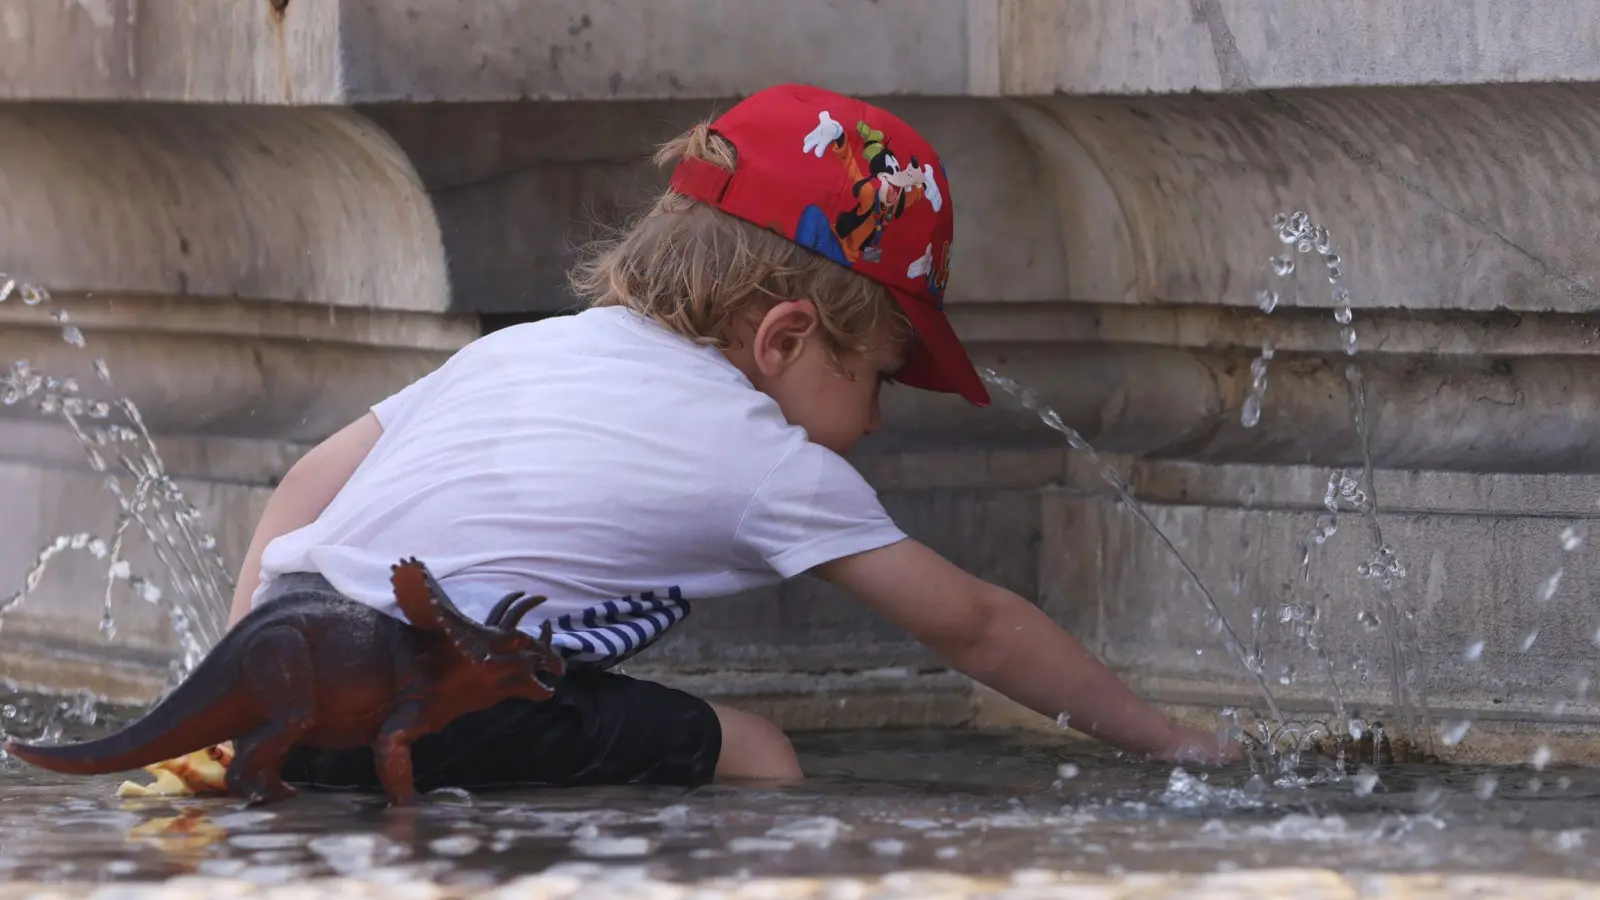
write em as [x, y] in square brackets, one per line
[598, 459]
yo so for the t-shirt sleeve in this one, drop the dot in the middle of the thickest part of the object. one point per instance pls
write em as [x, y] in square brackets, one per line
[393, 406]
[812, 508]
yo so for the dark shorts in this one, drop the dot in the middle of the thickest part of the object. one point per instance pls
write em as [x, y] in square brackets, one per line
[600, 728]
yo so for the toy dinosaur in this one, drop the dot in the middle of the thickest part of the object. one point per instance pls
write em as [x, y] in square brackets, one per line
[330, 673]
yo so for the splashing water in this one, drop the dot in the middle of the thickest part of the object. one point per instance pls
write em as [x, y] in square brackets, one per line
[1407, 664]
[1030, 401]
[1250, 415]
[195, 583]
[1346, 493]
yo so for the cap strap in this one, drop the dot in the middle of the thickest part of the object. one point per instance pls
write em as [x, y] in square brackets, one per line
[701, 180]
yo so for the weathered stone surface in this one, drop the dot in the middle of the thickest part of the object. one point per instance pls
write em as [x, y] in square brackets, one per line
[355, 51]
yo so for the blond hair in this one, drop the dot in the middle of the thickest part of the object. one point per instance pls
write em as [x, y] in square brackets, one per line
[696, 270]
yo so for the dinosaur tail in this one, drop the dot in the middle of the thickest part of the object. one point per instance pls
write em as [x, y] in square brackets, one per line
[199, 713]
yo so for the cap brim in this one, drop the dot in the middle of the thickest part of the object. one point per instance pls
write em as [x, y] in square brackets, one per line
[936, 360]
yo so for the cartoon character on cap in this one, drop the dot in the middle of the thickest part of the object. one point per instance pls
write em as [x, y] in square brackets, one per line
[937, 274]
[881, 190]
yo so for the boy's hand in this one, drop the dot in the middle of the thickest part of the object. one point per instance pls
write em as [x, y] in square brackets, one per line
[1192, 746]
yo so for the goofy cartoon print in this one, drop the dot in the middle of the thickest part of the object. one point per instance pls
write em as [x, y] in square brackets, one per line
[881, 190]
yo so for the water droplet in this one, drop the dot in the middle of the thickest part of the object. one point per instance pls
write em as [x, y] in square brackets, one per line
[1365, 781]
[1267, 300]
[1547, 590]
[1474, 651]
[1342, 315]
[1331, 258]
[1304, 245]
[73, 335]
[1067, 771]
[1357, 727]
[1451, 731]
[1348, 336]
[7, 285]
[1063, 720]
[1323, 240]
[1334, 274]
[1250, 415]
[1428, 797]
[1571, 538]
[108, 627]
[1541, 757]
[101, 370]
[1485, 786]
[1528, 639]
[59, 316]
[1369, 619]
[1283, 265]
[33, 295]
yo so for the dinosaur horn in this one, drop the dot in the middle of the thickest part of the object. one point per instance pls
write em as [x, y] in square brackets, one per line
[509, 621]
[492, 620]
[427, 606]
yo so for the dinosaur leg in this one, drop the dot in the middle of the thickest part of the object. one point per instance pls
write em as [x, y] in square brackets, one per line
[393, 752]
[282, 683]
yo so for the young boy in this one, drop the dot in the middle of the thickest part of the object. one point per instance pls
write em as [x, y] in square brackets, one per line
[684, 438]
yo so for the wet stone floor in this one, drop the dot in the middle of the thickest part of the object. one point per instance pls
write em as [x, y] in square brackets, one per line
[885, 814]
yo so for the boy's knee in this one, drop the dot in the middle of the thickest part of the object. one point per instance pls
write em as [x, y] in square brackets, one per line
[754, 749]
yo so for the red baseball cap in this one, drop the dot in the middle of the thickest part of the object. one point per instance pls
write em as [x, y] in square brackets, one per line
[849, 181]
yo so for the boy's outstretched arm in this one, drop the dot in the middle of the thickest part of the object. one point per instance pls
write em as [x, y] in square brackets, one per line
[305, 491]
[1002, 640]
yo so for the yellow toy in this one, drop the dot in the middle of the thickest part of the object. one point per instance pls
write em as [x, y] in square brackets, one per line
[200, 772]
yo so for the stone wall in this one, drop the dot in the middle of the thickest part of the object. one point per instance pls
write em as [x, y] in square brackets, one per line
[270, 214]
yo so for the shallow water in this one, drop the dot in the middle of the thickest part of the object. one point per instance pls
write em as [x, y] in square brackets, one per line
[878, 802]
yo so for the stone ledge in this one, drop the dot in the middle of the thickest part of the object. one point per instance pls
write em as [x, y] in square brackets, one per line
[884, 699]
[1505, 739]
[465, 51]
[295, 205]
[267, 320]
[1154, 46]
[1383, 329]
[37, 661]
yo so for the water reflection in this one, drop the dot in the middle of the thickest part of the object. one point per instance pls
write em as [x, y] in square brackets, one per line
[879, 802]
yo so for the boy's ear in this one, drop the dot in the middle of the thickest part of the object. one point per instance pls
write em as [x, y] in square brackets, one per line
[781, 337]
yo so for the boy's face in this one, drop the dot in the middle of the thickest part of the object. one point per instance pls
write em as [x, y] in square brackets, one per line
[834, 399]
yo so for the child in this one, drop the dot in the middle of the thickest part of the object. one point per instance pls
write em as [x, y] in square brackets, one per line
[684, 438]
